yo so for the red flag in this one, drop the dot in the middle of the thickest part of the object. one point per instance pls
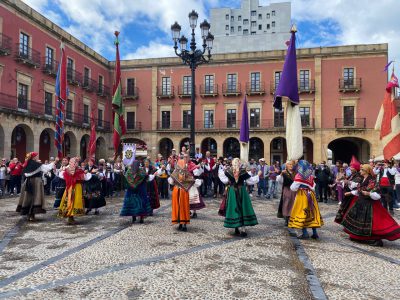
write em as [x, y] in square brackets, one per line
[388, 122]
[92, 141]
[61, 93]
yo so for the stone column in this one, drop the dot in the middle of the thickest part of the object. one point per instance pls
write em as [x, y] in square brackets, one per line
[319, 147]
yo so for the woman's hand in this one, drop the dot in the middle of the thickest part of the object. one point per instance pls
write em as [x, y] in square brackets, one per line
[365, 193]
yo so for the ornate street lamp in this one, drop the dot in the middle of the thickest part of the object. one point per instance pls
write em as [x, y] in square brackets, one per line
[193, 58]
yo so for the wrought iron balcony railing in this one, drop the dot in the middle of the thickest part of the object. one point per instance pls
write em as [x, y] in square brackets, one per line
[5, 44]
[350, 85]
[231, 89]
[130, 93]
[208, 90]
[165, 92]
[255, 88]
[185, 91]
[350, 123]
[50, 66]
[27, 55]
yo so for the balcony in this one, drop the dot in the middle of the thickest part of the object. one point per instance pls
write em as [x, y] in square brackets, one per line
[306, 86]
[27, 55]
[130, 93]
[50, 67]
[74, 77]
[255, 88]
[350, 123]
[208, 90]
[350, 85]
[89, 84]
[165, 92]
[185, 91]
[133, 126]
[231, 90]
[272, 87]
[5, 45]
[103, 90]
[38, 110]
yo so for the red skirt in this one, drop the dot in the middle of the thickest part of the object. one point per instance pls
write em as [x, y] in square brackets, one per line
[383, 225]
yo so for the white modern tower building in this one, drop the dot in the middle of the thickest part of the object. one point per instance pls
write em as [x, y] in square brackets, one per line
[251, 27]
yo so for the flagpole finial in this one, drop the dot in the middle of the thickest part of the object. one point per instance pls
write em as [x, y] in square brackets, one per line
[116, 38]
[116, 33]
[294, 28]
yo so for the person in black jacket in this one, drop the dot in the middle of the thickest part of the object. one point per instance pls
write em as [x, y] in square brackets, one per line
[323, 175]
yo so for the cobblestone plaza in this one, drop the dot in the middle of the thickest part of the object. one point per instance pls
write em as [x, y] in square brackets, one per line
[107, 257]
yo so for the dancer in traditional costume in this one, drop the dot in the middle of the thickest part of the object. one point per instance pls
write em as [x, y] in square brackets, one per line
[350, 184]
[72, 201]
[239, 211]
[195, 199]
[286, 178]
[59, 183]
[366, 219]
[305, 212]
[31, 200]
[136, 201]
[182, 180]
[118, 176]
[152, 189]
[93, 196]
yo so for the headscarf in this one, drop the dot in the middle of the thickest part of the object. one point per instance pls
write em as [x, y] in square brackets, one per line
[304, 169]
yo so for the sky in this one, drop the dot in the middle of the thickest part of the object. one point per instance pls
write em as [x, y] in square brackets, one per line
[145, 25]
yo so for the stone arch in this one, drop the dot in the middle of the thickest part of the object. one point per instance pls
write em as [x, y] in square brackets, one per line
[209, 144]
[101, 148]
[84, 146]
[231, 147]
[46, 144]
[22, 141]
[345, 147]
[165, 147]
[184, 142]
[70, 144]
[278, 150]
[256, 148]
[308, 149]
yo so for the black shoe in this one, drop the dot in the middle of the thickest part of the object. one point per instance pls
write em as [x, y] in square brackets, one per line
[87, 211]
[303, 237]
[141, 221]
[180, 227]
[243, 234]
[377, 243]
[184, 228]
[237, 232]
[315, 236]
[194, 216]
[133, 219]
[96, 212]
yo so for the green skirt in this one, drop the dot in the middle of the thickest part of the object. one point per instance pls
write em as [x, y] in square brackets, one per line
[239, 211]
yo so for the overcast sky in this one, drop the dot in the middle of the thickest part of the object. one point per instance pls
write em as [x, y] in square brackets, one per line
[145, 25]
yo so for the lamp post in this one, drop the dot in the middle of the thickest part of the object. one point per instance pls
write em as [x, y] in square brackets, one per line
[193, 58]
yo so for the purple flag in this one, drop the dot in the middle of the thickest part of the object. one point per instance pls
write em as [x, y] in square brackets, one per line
[287, 86]
[387, 66]
[244, 125]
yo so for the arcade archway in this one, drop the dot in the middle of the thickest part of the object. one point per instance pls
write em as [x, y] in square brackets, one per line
[209, 144]
[21, 141]
[256, 148]
[278, 150]
[344, 148]
[165, 147]
[231, 147]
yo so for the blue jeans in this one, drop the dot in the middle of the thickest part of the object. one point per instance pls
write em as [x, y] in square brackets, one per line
[271, 188]
[262, 186]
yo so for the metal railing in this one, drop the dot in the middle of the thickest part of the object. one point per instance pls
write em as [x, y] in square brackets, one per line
[74, 77]
[306, 86]
[231, 89]
[133, 126]
[130, 92]
[27, 55]
[255, 88]
[89, 84]
[5, 44]
[185, 91]
[348, 123]
[349, 84]
[207, 90]
[50, 66]
[103, 90]
[165, 92]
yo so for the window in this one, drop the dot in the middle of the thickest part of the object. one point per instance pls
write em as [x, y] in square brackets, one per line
[245, 21]
[245, 32]
[49, 58]
[166, 86]
[268, 16]
[260, 16]
[348, 115]
[253, 13]
[226, 17]
[304, 80]
[70, 69]
[209, 84]
[101, 84]
[86, 76]
[277, 78]
[208, 119]
[232, 18]
[85, 114]
[273, 24]
[260, 27]
[48, 103]
[255, 81]
[130, 120]
[100, 118]
[253, 23]
[348, 77]
[232, 29]
[239, 28]
[239, 18]
[24, 45]
[254, 117]
[130, 87]
[253, 33]
[68, 115]
[273, 13]
[186, 119]
[232, 81]
[231, 118]
[187, 85]
[268, 26]
[226, 27]
[305, 116]
[278, 118]
[22, 96]
[165, 119]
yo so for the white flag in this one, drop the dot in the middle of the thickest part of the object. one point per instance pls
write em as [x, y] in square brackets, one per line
[128, 154]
